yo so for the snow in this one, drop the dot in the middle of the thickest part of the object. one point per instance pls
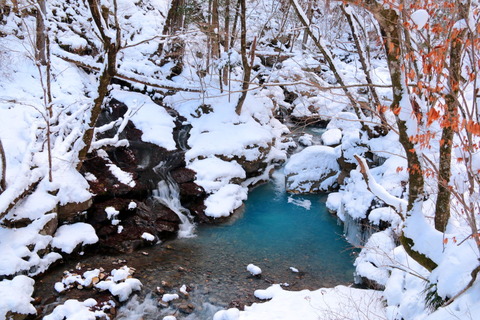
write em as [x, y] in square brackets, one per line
[120, 284]
[148, 236]
[16, 296]
[68, 237]
[76, 310]
[214, 173]
[225, 200]
[132, 205]
[332, 137]
[420, 18]
[313, 169]
[223, 145]
[254, 270]
[111, 212]
[306, 140]
[16, 255]
[183, 289]
[154, 121]
[327, 303]
[167, 297]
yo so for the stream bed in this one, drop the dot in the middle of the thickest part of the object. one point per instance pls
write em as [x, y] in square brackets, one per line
[275, 231]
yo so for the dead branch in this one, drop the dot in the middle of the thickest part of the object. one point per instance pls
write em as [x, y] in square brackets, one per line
[131, 77]
[474, 275]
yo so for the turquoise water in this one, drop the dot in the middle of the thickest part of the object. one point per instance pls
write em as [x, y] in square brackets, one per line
[278, 231]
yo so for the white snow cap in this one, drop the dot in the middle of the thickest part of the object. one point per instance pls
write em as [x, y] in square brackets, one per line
[420, 18]
[167, 297]
[16, 296]
[148, 236]
[254, 270]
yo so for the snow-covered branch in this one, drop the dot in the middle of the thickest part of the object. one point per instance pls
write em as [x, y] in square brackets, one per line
[399, 205]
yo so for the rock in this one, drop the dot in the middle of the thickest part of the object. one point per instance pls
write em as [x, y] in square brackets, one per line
[50, 227]
[68, 213]
[151, 217]
[183, 175]
[186, 308]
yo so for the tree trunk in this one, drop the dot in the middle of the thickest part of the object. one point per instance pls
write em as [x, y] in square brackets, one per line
[111, 48]
[309, 17]
[3, 168]
[226, 44]
[450, 124]
[247, 69]
[41, 38]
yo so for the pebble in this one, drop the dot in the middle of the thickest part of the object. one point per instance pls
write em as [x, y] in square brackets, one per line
[186, 308]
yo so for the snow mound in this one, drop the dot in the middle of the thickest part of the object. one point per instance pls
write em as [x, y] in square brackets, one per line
[68, 237]
[313, 169]
[254, 270]
[332, 137]
[75, 310]
[225, 200]
[327, 303]
[16, 296]
[214, 173]
[16, 244]
[167, 297]
[152, 119]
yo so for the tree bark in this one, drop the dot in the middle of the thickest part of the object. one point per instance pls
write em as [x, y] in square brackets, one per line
[41, 37]
[450, 122]
[247, 69]
[3, 168]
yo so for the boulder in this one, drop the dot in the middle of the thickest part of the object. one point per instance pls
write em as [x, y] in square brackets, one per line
[312, 170]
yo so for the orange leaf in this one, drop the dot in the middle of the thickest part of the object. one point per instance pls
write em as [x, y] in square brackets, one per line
[432, 115]
[473, 127]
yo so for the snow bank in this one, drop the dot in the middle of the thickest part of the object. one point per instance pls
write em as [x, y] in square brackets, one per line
[22, 248]
[214, 173]
[225, 200]
[16, 296]
[76, 310]
[313, 169]
[333, 303]
[152, 119]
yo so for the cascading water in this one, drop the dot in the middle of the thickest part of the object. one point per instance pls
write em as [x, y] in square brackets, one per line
[168, 194]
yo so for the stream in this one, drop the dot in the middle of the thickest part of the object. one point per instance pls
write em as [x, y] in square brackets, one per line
[275, 231]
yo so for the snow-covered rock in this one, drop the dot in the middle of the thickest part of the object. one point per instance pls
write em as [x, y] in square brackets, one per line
[314, 169]
[254, 270]
[16, 296]
[68, 237]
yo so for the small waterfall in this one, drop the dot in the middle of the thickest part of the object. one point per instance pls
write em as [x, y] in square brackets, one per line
[168, 194]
